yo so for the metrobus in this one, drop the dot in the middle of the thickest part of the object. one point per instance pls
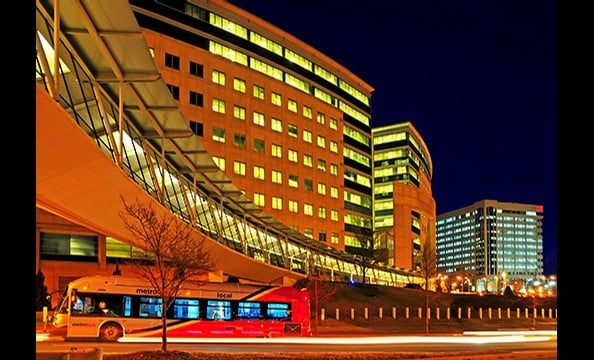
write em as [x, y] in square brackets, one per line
[110, 307]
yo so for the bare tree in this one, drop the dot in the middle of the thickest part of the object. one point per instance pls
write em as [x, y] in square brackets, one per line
[426, 263]
[167, 252]
[320, 288]
[369, 252]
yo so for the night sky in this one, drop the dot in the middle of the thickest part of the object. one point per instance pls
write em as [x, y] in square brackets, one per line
[478, 80]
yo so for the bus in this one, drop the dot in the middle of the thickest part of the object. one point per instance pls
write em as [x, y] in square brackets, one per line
[110, 307]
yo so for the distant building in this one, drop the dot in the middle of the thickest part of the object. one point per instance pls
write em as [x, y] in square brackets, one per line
[404, 207]
[491, 244]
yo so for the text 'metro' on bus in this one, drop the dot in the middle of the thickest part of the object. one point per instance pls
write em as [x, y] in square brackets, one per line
[109, 307]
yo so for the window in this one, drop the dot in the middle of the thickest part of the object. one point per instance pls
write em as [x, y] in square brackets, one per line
[293, 206]
[333, 124]
[308, 184]
[248, 310]
[293, 181]
[258, 118]
[220, 162]
[307, 136]
[292, 130]
[277, 203]
[174, 90]
[259, 146]
[334, 238]
[196, 98]
[292, 105]
[239, 168]
[259, 199]
[239, 85]
[293, 156]
[334, 215]
[218, 310]
[307, 160]
[321, 118]
[321, 188]
[333, 169]
[308, 209]
[239, 140]
[276, 99]
[277, 177]
[308, 232]
[276, 125]
[334, 192]
[277, 151]
[218, 134]
[196, 69]
[259, 172]
[239, 112]
[68, 245]
[218, 77]
[197, 128]
[258, 92]
[307, 112]
[321, 165]
[172, 61]
[321, 141]
[334, 147]
[322, 236]
[322, 212]
[218, 106]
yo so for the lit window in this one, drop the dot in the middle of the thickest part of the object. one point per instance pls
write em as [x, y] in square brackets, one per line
[321, 188]
[277, 203]
[321, 118]
[259, 199]
[307, 160]
[292, 105]
[293, 181]
[277, 177]
[276, 99]
[307, 136]
[239, 168]
[322, 212]
[218, 77]
[218, 134]
[218, 106]
[276, 125]
[292, 130]
[239, 85]
[307, 112]
[259, 172]
[293, 206]
[258, 92]
[308, 209]
[277, 151]
[258, 118]
[293, 156]
[321, 141]
[239, 112]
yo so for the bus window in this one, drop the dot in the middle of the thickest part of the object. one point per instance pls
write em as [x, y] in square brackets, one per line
[218, 310]
[186, 309]
[150, 307]
[278, 311]
[248, 310]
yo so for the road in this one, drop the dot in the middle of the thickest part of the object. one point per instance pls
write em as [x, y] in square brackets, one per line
[544, 343]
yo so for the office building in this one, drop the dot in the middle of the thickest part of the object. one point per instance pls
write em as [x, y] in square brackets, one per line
[491, 244]
[404, 208]
[260, 140]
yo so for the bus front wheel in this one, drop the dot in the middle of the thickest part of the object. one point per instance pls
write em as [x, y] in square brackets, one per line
[110, 332]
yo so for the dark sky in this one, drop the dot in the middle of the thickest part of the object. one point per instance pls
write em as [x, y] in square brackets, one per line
[478, 79]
